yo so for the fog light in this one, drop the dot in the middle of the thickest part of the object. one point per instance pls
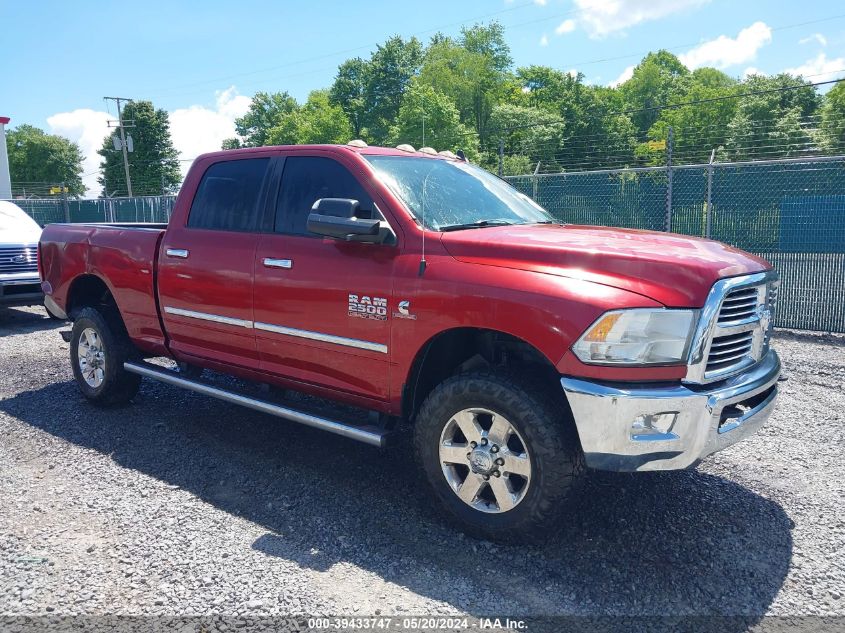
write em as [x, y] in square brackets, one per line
[654, 426]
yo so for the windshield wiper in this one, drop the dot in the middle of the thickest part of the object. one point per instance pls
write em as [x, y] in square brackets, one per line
[478, 224]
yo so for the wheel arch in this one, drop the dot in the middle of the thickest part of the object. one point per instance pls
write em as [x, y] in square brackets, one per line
[461, 349]
[90, 290]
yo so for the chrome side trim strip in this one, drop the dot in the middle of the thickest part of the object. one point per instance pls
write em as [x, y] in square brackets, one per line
[279, 329]
[325, 338]
[371, 436]
[208, 317]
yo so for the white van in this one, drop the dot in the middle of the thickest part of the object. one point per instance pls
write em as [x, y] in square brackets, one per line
[19, 233]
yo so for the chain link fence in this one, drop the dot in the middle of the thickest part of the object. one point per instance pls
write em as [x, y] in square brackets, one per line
[139, 209]
[790, 212]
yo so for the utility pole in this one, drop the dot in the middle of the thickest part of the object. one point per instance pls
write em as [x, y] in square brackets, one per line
[121, 125]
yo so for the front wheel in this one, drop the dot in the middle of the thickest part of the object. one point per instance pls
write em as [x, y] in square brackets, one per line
[500, 455]
[99, 346]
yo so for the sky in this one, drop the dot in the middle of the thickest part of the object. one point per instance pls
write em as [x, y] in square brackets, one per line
[202, 61]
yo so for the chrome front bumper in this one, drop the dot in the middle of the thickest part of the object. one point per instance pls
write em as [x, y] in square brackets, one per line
[635, 428]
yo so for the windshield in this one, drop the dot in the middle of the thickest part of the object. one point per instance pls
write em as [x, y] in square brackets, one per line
[450, 195]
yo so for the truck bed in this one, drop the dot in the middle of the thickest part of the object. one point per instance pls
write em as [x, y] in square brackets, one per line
[123, 256]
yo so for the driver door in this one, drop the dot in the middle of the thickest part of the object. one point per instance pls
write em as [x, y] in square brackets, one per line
[321, 305]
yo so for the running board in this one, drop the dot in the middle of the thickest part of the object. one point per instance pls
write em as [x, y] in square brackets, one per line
[369, 435]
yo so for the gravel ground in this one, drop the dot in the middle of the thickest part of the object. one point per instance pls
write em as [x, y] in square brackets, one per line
[182, 504]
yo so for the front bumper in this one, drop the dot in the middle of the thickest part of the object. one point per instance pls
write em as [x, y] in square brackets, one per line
[20, 290]
[635, 428]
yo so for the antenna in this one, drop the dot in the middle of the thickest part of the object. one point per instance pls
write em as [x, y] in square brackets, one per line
[422, 259]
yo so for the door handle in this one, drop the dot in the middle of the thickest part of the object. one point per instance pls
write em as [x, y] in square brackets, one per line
[177, 252]
[269, 262]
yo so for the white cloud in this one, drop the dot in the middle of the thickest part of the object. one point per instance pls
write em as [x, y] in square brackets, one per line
[625, 76]
[572, 72]
[194, 130]
[544, 41]
[567, 26]
[820, 68]
[87, 128]
[602, 17]
[540, 3]
[751, 70]
[815, 37]
[725, 51]
[197, 129]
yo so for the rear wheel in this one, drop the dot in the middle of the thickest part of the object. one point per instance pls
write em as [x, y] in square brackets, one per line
[500, 456]
[99, 346]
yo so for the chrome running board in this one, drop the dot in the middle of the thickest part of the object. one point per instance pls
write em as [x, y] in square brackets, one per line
[369, 435]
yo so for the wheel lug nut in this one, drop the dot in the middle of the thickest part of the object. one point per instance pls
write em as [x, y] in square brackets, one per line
[497, 473]
[500, 462]
[486, 477]
[469, 455]
[484, 441]
[494, 449]
[473, 444]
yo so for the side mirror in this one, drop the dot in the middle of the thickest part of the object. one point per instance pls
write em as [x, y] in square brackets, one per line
[337, 218]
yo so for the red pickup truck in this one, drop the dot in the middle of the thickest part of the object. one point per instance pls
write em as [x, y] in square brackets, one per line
[431, 294]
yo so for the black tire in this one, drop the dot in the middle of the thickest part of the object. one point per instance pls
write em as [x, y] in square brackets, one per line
[118, 386]
[547, 432]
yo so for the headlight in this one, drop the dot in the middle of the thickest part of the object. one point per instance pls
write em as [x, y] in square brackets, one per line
[637, 337]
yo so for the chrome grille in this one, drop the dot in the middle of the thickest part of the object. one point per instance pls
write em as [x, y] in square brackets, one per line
[739, 305]
[733, 328]
[18, 259]
[729, 351]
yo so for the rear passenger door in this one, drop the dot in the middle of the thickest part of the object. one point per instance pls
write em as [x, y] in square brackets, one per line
[321, 305]
[206, 266]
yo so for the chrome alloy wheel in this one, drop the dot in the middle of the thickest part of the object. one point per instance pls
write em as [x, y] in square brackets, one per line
[91, 357]
[485, 460]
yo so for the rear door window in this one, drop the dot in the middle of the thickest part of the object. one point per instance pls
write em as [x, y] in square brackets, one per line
[228, 197]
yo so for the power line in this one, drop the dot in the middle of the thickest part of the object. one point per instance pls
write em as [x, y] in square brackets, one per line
[366, 47]
[671, 106]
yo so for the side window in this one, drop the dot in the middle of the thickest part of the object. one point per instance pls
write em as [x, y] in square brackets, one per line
[305, 180]
[227, 198]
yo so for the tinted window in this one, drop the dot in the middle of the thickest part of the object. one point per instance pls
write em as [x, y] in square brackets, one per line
[227, 198]
[305, 180]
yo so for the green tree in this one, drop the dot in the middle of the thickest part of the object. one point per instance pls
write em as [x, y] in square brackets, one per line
[831, 133]
[388, 74]
[531, 132]
[37, 157]
[349, 92]
[767, 123]
[657, 81]
[318, 121]
[472, 71]
[265, 112]
[702, 126]
[153, 163]
[424, 106]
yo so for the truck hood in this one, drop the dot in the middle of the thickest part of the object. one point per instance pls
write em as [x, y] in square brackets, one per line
[676, 270]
